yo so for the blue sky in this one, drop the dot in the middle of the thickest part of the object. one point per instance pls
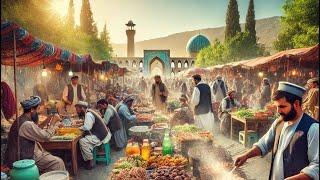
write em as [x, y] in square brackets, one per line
[158, 18]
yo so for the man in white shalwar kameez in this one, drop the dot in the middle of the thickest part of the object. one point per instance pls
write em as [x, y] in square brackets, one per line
[202, 105]
[219, 89]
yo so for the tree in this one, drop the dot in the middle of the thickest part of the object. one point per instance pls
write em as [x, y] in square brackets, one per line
[211, 55]
[299, 25]
[250, 25]
[86, 18]
[70, 15]
[232, 20]
[104, 36]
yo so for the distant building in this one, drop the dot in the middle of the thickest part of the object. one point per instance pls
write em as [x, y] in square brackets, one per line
[159, 61]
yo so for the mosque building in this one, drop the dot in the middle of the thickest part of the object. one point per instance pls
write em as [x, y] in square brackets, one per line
[159, 62]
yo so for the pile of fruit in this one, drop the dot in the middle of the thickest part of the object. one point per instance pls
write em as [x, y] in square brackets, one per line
[174, 105]
[160, 119]
[144, 117]
[170, 173]
[136, 173]
[67, 136]
[160, 161]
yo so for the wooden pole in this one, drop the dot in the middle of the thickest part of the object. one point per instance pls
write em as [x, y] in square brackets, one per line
[15, 84]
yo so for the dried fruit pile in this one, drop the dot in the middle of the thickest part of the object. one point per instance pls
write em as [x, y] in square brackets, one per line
[170, 173]
[136, 173]
[160, 161]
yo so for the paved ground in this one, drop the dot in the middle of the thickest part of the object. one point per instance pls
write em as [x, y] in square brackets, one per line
[256, 168]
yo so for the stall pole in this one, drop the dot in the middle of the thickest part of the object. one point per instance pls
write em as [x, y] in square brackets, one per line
[15, 84]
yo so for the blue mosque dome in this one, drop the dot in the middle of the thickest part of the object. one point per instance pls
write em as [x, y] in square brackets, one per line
[196, 43]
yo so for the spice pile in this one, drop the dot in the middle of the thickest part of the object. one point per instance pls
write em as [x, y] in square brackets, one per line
[160, 161]
[170, 173]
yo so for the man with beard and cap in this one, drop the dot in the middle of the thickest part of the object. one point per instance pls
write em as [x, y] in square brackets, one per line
[219, 89]
[228, 104]
[265, 96]
[73, 93]
[95, 132]
[113, 122]
[293, 138]
[27, 131]
[159, 94]
[201, 102]
[312, 98]
[126, 114]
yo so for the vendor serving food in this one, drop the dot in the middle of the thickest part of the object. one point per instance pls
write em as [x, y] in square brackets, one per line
[27, 131]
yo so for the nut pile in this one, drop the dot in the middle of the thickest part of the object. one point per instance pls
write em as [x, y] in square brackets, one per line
[170, 173]
[136, 173]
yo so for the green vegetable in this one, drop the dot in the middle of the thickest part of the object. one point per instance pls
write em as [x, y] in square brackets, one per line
[186, 128]
[245, 113]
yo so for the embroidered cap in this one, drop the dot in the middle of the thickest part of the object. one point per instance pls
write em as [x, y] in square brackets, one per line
[291, 88]
[82, 103]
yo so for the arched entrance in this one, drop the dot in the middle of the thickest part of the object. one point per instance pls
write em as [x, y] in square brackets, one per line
[156, 67]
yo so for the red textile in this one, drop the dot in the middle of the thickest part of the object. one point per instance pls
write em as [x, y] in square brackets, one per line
[8, 102]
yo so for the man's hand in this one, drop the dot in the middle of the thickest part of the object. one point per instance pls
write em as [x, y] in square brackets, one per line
[56, 118]
[241, 160]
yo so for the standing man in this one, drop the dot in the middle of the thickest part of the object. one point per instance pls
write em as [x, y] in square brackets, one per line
[184, 88]
[293, 139]
[201, 101]
[143, 85]
[73, 93]
[113, 122]
[228, 104]
[219, 89]
[95, 132]
[159, 93]
[312, 98]
[29, 133]
[265, 96]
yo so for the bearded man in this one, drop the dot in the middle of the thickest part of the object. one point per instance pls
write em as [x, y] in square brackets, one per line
[293, 138]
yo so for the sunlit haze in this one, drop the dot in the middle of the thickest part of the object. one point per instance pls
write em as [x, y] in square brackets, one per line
[156, 18]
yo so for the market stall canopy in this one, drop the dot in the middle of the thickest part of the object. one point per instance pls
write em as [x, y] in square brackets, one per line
[31, 51]
[193, 71]
[307, 57]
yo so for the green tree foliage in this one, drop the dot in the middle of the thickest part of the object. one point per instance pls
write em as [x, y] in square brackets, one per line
[232, 20]
[87, 24]
[250, 25]
[299, 25]
[49, 27]
[104, 36]
[70, 15]
[212, 55]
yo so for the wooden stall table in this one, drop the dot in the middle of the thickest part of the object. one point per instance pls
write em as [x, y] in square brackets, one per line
[65, 145]
[246, 121]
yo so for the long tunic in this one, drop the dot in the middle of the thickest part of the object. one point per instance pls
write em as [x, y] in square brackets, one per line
[157, 102]
[88, 142]
[119, 136]
[203, 121]
[218, 94]
[128, 119]
[44, 160]
[265, 144]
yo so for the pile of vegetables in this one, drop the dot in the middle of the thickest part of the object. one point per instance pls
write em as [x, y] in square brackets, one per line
[174, 105]
[245, 113]
[160, 119]
[186, 128]
[129, 163]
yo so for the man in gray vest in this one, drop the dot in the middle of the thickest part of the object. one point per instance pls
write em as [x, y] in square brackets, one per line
[293, 139]
[201, 101]
[73, 92]
[95, 132]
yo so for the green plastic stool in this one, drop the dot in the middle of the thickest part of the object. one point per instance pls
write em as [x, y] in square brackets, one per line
[102, 157]
[252, 137]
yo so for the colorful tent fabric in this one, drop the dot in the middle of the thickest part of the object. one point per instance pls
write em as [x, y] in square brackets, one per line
[30, 50]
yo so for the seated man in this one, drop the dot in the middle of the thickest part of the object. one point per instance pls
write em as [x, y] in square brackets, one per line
[182, 115]
[113, 122]
[126, 113]
[95, 132]
[227, 105]
[27, 131]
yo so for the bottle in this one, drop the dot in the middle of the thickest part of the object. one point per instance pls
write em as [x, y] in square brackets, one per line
[145, 149]
[129, 149]
[135, 149]
[167, 146]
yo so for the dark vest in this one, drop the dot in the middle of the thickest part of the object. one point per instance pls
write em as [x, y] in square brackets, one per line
[70, 92]
[26, 146]
[115, 121]
[98, 129]
[161, 89]
[295, 161]
[205, 104]
[230, 103]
